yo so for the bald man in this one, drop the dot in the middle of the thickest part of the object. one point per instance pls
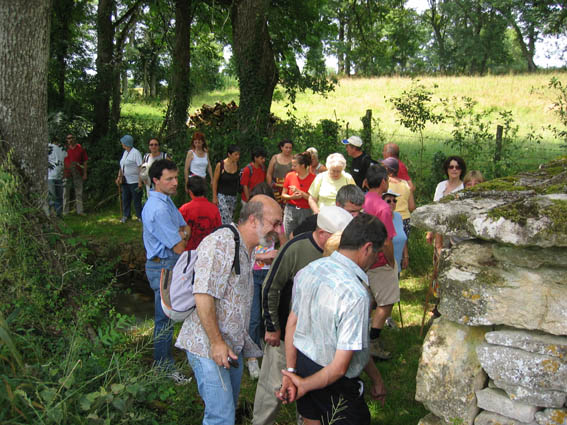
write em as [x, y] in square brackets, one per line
[391, 150]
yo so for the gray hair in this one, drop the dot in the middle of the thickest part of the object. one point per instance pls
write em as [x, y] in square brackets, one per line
[252, 208]
[350, 193]
[313, 152]
[334, 160]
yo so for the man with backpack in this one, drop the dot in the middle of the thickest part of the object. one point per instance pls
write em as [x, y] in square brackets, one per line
[165, 237]
[215, 335]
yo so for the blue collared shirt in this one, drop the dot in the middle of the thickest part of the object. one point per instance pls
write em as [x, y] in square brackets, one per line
[161, 220]
[332, 305]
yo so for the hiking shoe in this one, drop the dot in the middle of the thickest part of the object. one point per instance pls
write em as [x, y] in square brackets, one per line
[253, 368]
[391, 323]
[179, 378]
[123, 220]
[377, 351]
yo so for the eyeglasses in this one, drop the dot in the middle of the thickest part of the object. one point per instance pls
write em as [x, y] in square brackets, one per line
[276, 224]
[154, 144]
[454, 167]
[389, 201]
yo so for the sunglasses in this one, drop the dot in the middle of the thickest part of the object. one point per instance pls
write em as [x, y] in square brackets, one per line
[389, 201]
[454, 167]
[154, 144]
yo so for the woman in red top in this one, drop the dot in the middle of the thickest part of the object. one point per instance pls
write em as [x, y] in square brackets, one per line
[296, 192]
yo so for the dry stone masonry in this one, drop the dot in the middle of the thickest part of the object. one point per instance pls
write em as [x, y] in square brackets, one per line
[498, 353]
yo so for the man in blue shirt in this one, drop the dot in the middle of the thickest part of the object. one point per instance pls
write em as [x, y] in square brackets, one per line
[165, 237]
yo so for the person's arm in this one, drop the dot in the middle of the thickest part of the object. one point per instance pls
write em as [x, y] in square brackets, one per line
[388, 251]
[185, 235]
[272, 287]
[209, 168]
[267, 257]
[411, 201]
[313, 204]
[220, 351]
[270, 172]
[85, 170]
[378, 390]
[288, 392]
[215, 185]
[244, 182]
[324, 377]
[188, 160]
[405, 257]
[411, 185]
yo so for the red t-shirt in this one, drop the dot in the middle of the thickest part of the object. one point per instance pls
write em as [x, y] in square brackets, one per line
[258, 176]
[75, 156]
[403, 171]
[375, 205]
[203, 217]
[292, 179]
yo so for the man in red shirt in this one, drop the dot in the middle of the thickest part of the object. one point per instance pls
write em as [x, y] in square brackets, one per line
[74, 172]
[383, 275]
[201, 215]
[392, 150]
[253, 173]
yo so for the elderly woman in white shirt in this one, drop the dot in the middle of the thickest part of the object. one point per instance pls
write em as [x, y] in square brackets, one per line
[129, 178]
[323, 190]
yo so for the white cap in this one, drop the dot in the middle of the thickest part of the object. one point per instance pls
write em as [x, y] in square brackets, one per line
[333, 219]
[353, 140]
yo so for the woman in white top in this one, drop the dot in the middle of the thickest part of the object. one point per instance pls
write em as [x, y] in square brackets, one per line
[129, 178]
[149, 158]
[197, 159]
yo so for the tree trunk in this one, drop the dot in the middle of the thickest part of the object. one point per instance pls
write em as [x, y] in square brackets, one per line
[180, 92]
[340, 53]
[60, 36]
[256, 67]
[104, 77]
[24, 54]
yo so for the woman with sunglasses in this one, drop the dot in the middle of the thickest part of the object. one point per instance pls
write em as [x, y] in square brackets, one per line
[401, 253]
[405, 202]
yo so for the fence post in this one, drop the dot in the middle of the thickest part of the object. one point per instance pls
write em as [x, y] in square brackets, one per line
[498, 149]
[366, 135]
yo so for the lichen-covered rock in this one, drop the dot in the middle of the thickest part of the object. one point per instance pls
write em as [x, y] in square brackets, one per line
[527, 210]
[535, 396]
[490, 418]
[449, 372]
[495, 400]
[552, 417]
[534, 341]
[477, 288]
[431, 419]
[518, 367]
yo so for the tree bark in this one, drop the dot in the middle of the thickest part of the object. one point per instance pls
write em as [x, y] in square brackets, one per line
[256, 67]
[24, 54]
[60, 36]
[180, 92]
[105, 50]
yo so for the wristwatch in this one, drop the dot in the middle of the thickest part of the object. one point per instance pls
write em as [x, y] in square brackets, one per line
[186, 235]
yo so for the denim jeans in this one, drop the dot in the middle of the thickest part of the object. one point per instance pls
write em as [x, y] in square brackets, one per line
[131, 192]
[55, 189]
[163, 327]
[219, 388]
[256, 328]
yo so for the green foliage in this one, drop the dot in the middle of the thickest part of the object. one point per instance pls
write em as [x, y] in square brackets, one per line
[560, 108]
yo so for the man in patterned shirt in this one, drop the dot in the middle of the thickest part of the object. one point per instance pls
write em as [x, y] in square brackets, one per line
[215, 336]
[329, 324]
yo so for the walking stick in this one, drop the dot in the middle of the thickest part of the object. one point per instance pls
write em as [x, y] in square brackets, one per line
[400, 310]
[430, 289]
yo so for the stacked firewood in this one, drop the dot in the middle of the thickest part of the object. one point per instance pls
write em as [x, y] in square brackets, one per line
[212, 115]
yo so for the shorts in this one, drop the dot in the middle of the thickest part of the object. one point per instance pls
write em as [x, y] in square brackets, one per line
[384, 284]
[346, 393]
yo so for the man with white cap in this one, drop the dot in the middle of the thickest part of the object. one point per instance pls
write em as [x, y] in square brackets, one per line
[360, 159]
[276, 303]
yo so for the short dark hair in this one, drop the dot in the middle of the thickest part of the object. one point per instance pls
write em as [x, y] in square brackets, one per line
[197, 185]
[262, 188]
[252, 208]
[375, 174]
[258, 152]
[350, 193]
[158, 166]
[362, 229]
[283, 142]
[232, 149]
[459, 161]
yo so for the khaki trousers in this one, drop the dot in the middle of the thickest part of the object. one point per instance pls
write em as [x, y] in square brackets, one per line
[266, 404]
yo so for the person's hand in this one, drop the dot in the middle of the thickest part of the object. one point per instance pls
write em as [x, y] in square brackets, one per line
[220, 352]
[269, 256]
[297, 381]
[140, 185]
[273, 338]
[117, 181]
[429, 237]
[287, 392]
[405, 262]
[215, 200]
[378, 391]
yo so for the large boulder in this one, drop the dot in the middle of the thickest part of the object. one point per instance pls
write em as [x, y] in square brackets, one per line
[449, 372]
[491, 418]
[552, 417]
[495, 400]
[483, 283]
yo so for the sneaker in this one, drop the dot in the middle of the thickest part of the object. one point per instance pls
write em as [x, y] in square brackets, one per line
[179, 378]
[377, 351]
[123, 220]
[253, 368]
[391, 323]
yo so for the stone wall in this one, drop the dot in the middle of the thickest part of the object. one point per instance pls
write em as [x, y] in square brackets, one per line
[498, 353]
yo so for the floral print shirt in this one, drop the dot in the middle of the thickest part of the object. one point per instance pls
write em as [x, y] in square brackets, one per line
[215, 276]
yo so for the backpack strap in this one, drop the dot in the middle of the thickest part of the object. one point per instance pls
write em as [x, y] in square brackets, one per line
[146, 156]
[251, 169]
[188, 261]
[236, 261]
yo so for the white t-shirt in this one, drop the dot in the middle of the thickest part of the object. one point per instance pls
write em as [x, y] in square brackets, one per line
[199, 165]
[441, 188]
[130, 165]
[55, 159]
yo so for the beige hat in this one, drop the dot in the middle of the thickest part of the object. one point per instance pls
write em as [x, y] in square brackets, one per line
[333, 219]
